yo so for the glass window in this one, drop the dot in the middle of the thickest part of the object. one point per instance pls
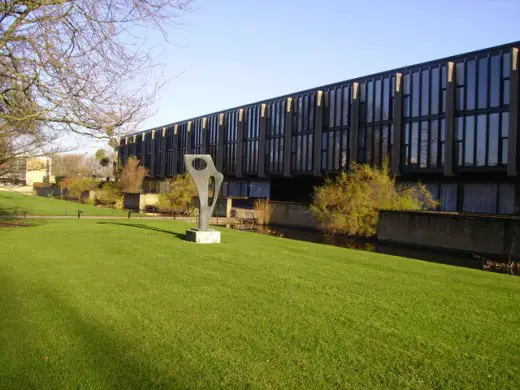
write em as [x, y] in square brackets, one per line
[386, 99]
[414, 157]
[459, 128]
[406, 84]
[378, 101]
[406, 106]
[424, 144]
[370, 100]
[506, 92]
[459, 74]
[471, 84]
[425, 92]
[505, 125]
[482, 82]
[434, 131]
[481, 140]
[469, 140]
[346, 108]
[338, 108]
[506, 65]
[435, 92]
[459, 97]
[415, 94]
[443, 139]
[332, 105]
[494, 82]
[493, 139]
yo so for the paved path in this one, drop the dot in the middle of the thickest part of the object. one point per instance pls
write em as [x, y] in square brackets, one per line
[214, 220]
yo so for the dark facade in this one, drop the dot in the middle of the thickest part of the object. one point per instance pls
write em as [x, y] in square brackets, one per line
[450, 123]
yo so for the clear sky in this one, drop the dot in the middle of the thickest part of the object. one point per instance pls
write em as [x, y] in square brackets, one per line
[233, 52]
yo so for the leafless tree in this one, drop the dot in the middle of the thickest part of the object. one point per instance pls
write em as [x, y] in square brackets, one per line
[76, 66]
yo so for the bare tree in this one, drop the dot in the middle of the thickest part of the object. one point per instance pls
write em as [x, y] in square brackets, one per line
[76, 66]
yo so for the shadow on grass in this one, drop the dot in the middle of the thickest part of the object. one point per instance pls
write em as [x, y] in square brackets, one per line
[146, 227]
[97, 353]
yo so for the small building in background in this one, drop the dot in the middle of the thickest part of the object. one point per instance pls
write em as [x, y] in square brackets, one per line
[27, 171]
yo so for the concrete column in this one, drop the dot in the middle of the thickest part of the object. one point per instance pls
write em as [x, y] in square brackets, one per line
[316, 165]
[175, 168]
[164, 152]
[240, 142]
[398, 125]
[220, 147]
[204, 147]
[261, 140]
[288, 138]
[152, 159]
[354, 125]
[512, 155]
[449, 147]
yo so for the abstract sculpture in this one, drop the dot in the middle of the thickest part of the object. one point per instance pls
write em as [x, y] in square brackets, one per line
[204, 174]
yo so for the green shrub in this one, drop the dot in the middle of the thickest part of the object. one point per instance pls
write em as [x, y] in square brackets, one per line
[78, 185]
[350, 203]
[179, 196]
[110, 193]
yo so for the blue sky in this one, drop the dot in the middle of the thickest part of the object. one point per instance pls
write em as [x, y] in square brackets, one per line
[232, 52]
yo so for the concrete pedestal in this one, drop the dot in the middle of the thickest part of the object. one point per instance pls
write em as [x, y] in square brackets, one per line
[203, 236]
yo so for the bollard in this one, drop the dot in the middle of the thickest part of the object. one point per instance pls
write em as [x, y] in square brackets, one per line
[129, 214]
[79, 213]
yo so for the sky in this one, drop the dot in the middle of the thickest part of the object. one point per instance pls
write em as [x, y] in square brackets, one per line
[226, 53]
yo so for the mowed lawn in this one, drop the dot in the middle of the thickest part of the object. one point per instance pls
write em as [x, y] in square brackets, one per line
[129, 304]
[38, 205]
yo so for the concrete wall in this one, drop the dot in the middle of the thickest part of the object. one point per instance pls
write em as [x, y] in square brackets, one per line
[454, 231]
[292, 214]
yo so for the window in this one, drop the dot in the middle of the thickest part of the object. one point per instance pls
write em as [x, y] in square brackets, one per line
[275, 137]
[424, 100]
[251, 139]
[303, 132]
[375, 142]
[482, 84]
[335, 135]
[230, 142]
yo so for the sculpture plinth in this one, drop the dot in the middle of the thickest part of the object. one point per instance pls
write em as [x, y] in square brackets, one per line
[204, 174]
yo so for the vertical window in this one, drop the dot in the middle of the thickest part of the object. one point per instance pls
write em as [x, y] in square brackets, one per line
[425, 92]
[434, 104]
[469, 140]
[481, 140]
[494, 133]
[471, 84]
[482, 82]
[494, 87]
[415, 93]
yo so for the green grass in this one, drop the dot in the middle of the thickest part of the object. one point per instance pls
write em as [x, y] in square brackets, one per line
[38, 205]
[108, 304]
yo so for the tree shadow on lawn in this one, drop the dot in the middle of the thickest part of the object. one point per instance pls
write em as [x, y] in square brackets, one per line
[146, 227]
[96, 353]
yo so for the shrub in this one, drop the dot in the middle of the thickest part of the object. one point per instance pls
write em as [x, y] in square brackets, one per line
[350, 203]
[110, 193]
[76, 186]
[132, 176]
[179, 196]
[263, 211]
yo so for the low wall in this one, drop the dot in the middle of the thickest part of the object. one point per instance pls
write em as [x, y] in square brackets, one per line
[498, 236]
[292, 214]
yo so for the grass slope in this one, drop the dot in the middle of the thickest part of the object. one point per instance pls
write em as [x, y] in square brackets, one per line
[37, 205]
[99, 304]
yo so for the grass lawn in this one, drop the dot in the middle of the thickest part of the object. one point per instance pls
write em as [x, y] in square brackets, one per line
[38, 205]
[122, 304]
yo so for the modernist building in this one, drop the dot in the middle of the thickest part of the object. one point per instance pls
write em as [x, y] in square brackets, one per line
[450, 123]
